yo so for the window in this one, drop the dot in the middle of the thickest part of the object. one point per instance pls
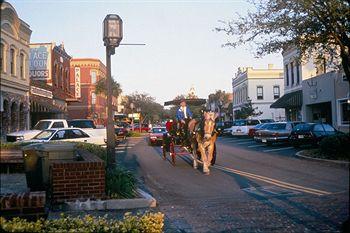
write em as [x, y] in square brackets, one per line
[61, 77]
[260, 92]
[298, 73]
[62, 134]
[93, 77]
[287, 74]
[328, 128]
[76, 133]
[344, 108]
[292, 72]
[93, 98]
[276, 92]
[21, 65]
[2, 57]
[55, 70]
[67, 76]
[318, 128]
[57, 125]
[12, 61]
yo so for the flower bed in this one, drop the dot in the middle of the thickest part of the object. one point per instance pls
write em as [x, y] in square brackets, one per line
[148, 222]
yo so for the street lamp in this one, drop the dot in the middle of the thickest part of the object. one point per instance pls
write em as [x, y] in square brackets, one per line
[139, 111]
[132, 106]
[112, 35]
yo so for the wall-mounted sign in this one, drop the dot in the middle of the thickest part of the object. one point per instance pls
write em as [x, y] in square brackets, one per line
[77, 82]
[40, 92]
[40, 61]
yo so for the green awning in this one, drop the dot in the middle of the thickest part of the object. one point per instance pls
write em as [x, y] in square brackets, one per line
[290, 100]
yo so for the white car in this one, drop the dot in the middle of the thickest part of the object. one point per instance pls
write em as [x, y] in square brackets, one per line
[241, 127]
[67, 135]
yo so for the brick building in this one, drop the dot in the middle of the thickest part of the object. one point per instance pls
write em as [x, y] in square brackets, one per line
[49, 79]
[14, 93]
[84, 74]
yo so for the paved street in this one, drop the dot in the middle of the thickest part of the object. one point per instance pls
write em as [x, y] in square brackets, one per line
[250, 189]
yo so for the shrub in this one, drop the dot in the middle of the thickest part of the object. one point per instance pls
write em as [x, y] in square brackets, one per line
[148, 222]
[94, 149]
[120, 183]
[134, 134]
[336, 146]
[13, 145]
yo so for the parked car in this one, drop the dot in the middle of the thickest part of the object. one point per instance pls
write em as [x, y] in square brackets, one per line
[276, 132]
[66, 134]
[257, 137]
[144, 127]
[156, 135]
[221, 126]
[241, 127]
[310, 133]
[120, 133]
[252, 131]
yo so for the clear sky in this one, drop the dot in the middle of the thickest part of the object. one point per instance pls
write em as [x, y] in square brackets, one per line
[182, 49]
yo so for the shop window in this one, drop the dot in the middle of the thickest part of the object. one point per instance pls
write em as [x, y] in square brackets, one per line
[276, 92]
[12, 61]
[21, 65]
[260, 92]
[344, 107]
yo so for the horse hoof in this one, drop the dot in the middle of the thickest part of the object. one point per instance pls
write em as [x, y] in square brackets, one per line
[207, 173]
[195, 167]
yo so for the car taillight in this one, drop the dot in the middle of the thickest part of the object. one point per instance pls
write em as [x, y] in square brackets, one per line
[275, 134]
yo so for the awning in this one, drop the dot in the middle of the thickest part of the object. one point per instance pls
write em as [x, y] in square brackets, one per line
[194, 102]
[290, 100]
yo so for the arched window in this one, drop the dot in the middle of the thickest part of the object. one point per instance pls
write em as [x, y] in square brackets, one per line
[61, 77]
[2, 57]
[12, 61]
[21, 65]
[67, 77]
[55, 73]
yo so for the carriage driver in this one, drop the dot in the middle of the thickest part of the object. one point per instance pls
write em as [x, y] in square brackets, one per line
[183, 116]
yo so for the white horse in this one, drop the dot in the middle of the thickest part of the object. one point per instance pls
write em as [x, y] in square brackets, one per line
[203, 137]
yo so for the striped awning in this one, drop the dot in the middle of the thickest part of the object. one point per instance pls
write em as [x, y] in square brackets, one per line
[289, 100]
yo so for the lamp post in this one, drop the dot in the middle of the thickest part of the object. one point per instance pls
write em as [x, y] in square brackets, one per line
[132, 106]
[112, 35]
[139, 111]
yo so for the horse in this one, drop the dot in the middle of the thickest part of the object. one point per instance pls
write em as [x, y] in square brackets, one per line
[203, 137]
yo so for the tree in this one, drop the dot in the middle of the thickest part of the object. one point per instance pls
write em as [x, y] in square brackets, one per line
[101, 87]
[316, 27]
[150, 109]
[246, 111]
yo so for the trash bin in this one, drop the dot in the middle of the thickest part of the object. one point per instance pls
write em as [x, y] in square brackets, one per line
[32, 168]
[49, 153]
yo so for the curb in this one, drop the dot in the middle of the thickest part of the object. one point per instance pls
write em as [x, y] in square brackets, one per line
[339, 162]
[145, 201]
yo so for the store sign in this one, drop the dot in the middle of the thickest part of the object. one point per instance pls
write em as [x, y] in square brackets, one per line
[39, 65]
[40, 92]
[77, 82]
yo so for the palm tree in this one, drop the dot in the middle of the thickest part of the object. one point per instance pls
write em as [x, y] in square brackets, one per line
[101, 87]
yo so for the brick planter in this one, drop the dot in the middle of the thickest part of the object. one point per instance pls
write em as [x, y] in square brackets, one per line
[74, 180]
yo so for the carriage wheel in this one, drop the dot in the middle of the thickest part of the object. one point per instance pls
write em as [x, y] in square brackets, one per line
[172, 152]
[214, 156]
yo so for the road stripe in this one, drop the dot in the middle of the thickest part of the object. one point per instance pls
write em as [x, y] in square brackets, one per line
[274, 181]
[123, 147]
[259, 145]
[278, 149]
[242, 143]
[120, 151]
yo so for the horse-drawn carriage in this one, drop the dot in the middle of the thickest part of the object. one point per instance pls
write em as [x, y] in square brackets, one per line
[197, 137]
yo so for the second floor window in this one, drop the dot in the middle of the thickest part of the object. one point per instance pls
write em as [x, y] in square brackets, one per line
[12, 61]
[21, 65]
[93, 98]
[287, 74]
[298, 73]
[276, 92]
[93, 77]
[2, 57]
[260, 92]
[292, 72]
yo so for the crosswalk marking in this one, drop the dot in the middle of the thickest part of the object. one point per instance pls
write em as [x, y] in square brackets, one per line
[259, 145]
[278, 149]
[242, 143]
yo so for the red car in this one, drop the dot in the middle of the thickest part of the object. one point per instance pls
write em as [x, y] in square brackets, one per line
[156, 135]
[144, 128]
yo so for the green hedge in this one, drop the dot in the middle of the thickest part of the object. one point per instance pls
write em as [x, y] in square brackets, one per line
[336, 147]
[13, 145]
[148, 222]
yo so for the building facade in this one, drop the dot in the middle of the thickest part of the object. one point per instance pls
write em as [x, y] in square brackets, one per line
[262, 87]
[326, 99]
[14, 101]
[49, 79]
[85, 73]
[294, 73]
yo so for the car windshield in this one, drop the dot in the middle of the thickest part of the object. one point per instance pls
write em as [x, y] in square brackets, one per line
[303, 127]
[158, 130]
[42, 125]
[276, 126]
[44, 135]
[264, 126]
[266, 120]
[258, 126]
[82, 124]
[239, 123]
